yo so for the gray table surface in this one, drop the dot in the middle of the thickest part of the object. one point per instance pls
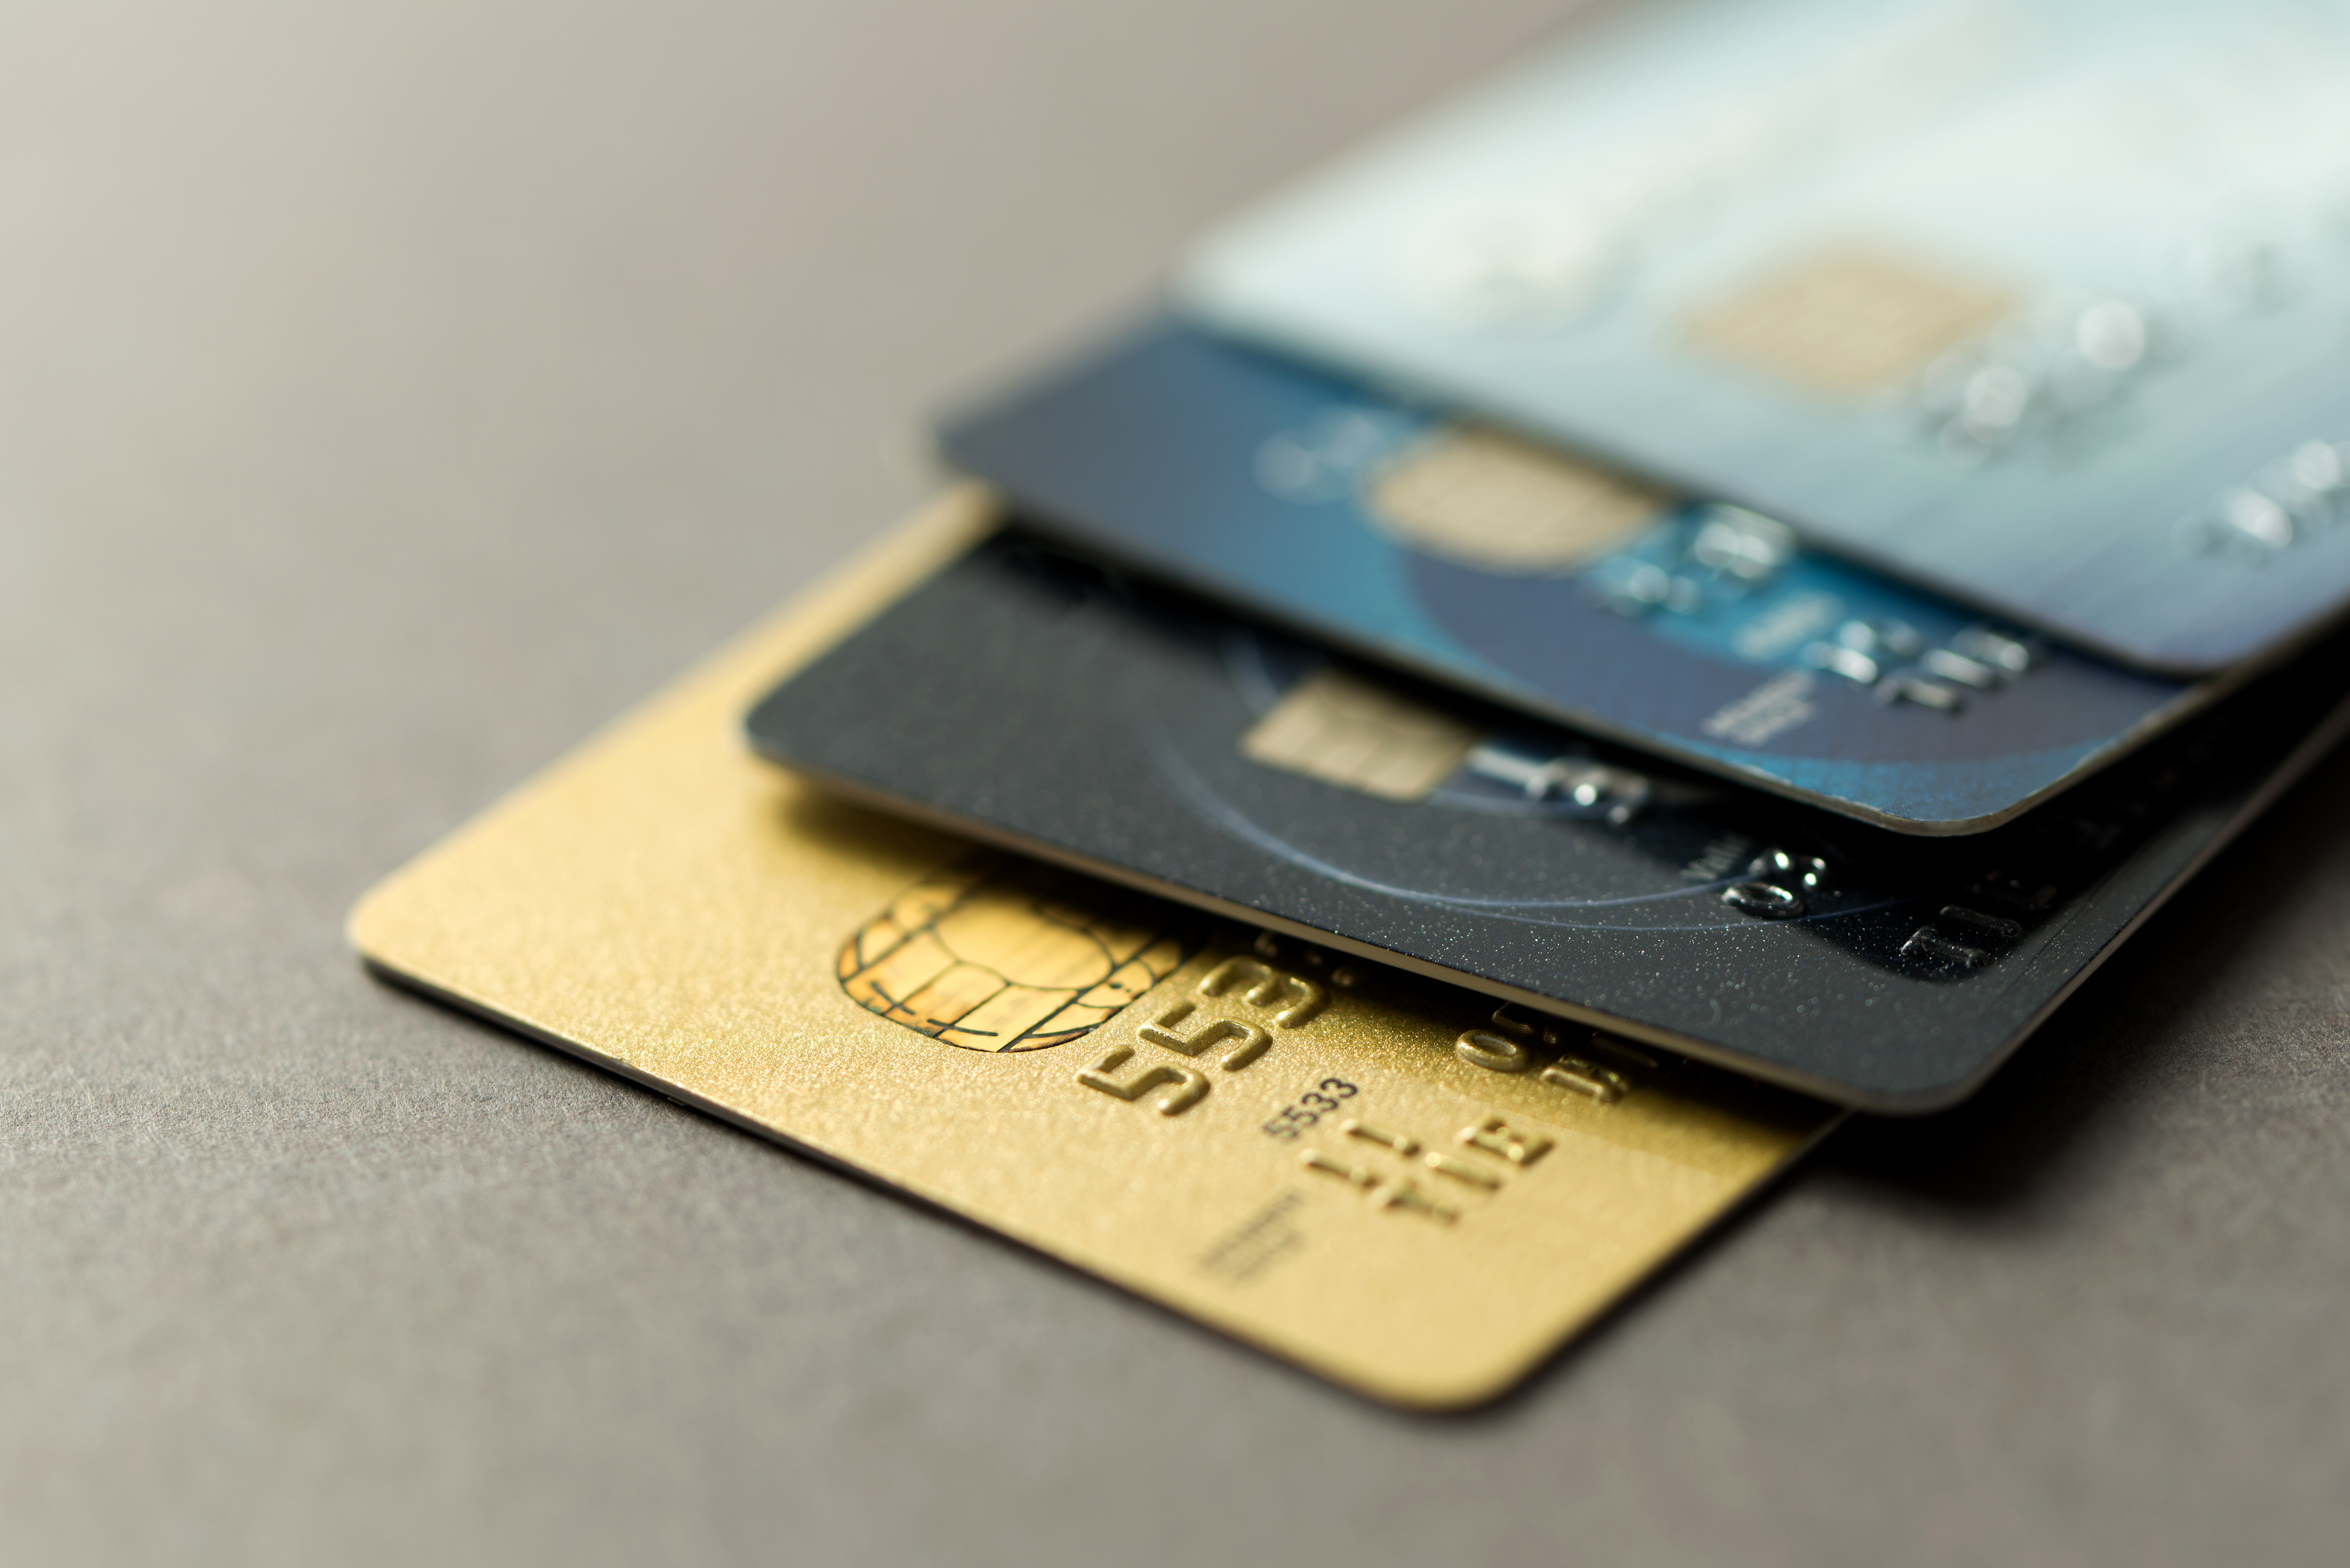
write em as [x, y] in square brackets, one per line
[390, 393]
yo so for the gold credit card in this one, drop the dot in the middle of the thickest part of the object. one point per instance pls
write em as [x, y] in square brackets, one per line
[1378, 1176]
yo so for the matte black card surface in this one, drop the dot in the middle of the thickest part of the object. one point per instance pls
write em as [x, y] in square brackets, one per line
[1031, 698]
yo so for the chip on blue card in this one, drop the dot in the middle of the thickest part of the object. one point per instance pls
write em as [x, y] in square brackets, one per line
[1027, 697]
[1699, 631]
[2043, 305]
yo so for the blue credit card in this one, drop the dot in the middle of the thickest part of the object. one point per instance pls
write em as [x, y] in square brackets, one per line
[1696, 631]
[2043, 305]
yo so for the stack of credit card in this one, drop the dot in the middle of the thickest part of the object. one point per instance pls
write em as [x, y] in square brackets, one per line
[1705, 586]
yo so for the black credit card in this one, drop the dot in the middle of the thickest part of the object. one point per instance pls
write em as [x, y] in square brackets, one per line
[1030, 696]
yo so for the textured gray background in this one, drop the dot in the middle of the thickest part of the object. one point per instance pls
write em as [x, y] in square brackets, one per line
[390, 393]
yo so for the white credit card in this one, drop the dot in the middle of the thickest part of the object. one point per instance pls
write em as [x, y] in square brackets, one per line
[2043, 305]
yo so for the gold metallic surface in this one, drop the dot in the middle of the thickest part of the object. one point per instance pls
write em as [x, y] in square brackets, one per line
[1444, 1193]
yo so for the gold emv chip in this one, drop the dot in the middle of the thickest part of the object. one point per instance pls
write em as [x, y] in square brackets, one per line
[1848, 321]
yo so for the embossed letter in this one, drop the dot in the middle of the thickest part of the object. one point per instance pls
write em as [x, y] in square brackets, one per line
[1495, 1136]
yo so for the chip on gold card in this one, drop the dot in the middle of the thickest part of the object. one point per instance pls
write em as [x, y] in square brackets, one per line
[1379, 1178]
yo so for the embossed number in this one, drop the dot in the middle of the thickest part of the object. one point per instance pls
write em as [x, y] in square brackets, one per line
[1188, 1087]
[1495, 1052]
[1589, 1078]
[1267, 987]
[1252, 1040]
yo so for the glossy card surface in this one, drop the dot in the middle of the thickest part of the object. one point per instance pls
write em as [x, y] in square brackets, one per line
[1035, 701]
[2044, 304]
[1695, 630]
[1378, 1177]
